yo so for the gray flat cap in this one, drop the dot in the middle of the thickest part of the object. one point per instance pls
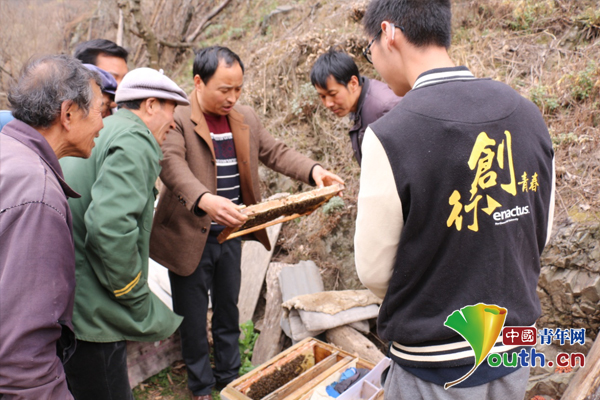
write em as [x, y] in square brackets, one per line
[143, 83]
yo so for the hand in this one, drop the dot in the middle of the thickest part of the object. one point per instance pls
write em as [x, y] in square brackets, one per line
[322, 177]
[222, 210]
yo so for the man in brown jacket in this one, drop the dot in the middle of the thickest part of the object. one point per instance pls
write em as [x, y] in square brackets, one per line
[210, 168]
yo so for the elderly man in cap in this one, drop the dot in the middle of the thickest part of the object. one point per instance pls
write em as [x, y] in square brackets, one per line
[56, 105]
[112, 222]
[109, 86]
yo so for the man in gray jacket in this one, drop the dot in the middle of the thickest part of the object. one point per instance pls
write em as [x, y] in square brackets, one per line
[340, 87]
[56, 104]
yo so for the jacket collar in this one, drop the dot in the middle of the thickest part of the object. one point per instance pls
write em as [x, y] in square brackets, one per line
[441, 75]
[201, 128]
[34, 140]
[356, 116]
[241, 140]
[239, 130]
[127, 114]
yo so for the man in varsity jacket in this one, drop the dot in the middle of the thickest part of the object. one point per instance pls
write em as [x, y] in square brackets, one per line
[455, 205]
[210, 168]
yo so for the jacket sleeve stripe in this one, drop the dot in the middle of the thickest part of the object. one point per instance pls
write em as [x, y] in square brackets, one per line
[128, 288]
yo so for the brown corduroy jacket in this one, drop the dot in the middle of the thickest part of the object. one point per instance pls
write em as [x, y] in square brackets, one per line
[189, 170]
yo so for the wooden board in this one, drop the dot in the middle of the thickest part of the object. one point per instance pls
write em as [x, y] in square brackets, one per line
[255, 261]
[145, 359]
[352, 341]
[586, 383]
[279, 210]
[269, 342]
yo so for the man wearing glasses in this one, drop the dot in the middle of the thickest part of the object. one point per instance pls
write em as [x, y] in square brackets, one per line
[341, 89]
[455, 206]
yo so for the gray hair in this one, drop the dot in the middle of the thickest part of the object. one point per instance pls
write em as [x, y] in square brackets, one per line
[45, 84]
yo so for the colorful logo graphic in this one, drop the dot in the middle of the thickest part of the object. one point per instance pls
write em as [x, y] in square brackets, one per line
[480, 325]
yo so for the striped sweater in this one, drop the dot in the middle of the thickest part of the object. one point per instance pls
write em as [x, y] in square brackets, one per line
[228, 176]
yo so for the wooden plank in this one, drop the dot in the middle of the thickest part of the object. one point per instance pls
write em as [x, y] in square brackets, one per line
[255, 261]
[585, 385]
[269, 342]
[352, 341]
[145, 359]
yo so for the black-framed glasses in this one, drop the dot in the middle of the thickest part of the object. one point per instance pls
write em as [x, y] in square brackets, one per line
[367, 50]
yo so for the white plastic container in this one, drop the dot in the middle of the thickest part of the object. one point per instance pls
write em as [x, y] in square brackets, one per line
[369, 387]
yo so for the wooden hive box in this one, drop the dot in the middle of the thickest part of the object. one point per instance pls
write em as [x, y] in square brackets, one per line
[295, 373]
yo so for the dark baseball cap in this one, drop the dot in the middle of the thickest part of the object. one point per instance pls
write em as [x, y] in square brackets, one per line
[109, 84]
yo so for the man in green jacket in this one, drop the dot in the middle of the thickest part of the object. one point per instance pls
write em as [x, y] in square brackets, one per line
[112, 222]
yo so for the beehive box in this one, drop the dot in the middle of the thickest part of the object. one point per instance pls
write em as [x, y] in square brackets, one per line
[276, 211]
[295, 373]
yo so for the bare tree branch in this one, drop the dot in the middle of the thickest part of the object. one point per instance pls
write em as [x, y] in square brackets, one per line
[6, 72]
[136, 33]
[146, 32]
[120, 28]
[157, 11]
[179, 45]
[191, 38]
[189, 14]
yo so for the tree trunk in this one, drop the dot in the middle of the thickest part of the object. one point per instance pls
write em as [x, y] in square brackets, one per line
[147, 34]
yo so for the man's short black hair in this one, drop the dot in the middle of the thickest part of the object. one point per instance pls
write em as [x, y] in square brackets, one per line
[333, 63]
[88, 51]
[425, 22]
[207, 60]
[136, 104]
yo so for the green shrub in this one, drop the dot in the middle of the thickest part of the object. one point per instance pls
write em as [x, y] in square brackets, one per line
[334, 204]
[542, 98]
[583, 84]
[305, 101]
[247, 341]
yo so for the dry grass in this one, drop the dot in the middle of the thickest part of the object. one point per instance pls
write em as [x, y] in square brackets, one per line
[546, 50]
